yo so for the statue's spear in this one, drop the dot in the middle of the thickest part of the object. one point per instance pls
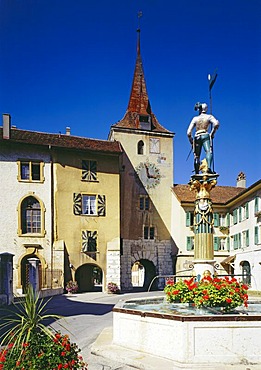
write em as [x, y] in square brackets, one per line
[212, 80]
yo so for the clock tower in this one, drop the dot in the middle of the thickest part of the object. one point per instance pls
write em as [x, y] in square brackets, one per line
[146, 181]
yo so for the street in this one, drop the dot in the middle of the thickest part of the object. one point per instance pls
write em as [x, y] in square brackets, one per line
[85, 315]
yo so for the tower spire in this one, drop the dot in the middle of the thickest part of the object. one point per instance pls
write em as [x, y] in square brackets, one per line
[139, 114]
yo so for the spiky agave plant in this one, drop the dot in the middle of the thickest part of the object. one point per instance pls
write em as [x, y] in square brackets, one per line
[26, 321]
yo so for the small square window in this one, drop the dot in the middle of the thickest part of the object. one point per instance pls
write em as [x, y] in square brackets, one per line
[30, 171]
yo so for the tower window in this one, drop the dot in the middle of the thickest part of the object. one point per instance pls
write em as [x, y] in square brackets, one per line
[140, 147]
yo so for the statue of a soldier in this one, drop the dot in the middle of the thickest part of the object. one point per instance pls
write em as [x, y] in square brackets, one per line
[202, 137]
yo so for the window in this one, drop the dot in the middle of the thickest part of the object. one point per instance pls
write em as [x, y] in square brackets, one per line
[190, 243]
[235, 241]
[31, 171]
[140, 147]
[149, 232]
[220, 244]
[245, 235]
[30, 216]
[89, 241]
[189, 219]
[89, 170]
[243, 212]
[89, 204]
[144, 203]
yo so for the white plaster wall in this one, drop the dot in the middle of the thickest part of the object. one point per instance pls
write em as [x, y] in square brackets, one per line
[11, 192]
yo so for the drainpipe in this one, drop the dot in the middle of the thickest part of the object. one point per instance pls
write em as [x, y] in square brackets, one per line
[52, 213]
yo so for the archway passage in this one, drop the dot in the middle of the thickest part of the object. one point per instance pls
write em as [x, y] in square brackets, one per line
[143, 271]
[89, 278]
[25, 272]
[246, 272]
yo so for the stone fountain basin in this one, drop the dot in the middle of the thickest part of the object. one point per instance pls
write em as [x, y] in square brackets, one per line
[191, 339]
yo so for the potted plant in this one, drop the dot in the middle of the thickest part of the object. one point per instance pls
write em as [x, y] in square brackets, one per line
[72, 287]
[113, 288]
[28, 344]
[226, 292]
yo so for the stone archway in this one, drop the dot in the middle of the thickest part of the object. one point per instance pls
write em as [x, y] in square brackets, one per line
[246, 272]
[25, 272]
[149, 272]
[89, 277]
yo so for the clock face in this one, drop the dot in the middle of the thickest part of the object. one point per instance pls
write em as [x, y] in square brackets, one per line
[149, 174]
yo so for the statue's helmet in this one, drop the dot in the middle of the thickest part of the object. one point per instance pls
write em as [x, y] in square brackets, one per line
[204, 107]
[201, 107]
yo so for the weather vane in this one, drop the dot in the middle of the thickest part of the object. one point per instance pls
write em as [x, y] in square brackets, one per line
[139, 16]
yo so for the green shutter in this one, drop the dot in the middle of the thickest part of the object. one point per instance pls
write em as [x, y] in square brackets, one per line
[228, 219]
[240, 214]
[247, 238]
[256, 204]
[235, 216]
[216, 219]
[235, 241]
[256, 235]
[101, 205]
[189, 243]
[247, 210]
[239, 240]
[216, 243]
[77, 204]
[188, 218]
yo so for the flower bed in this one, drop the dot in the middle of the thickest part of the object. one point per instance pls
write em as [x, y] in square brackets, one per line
[208, 292]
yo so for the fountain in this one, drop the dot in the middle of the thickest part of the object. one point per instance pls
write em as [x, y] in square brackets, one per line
[190, 337]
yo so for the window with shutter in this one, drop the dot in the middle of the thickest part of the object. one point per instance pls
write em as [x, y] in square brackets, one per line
[190, 243]
[216, 243]
[89, 241]
[89, 170]
[89, 205]
[216, 220]
[189, 219]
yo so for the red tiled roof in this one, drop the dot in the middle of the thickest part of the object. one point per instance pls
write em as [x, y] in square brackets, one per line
[61, 141]
[219, 195]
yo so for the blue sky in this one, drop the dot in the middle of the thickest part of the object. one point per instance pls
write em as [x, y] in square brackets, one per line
[71, 63]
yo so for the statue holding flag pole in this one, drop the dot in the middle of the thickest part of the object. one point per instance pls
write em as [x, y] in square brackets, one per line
[202, 137]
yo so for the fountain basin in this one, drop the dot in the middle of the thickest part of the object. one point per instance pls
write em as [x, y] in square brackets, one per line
[197, 338]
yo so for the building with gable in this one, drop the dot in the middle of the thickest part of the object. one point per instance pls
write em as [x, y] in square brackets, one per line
[62, 212]
[146, 180]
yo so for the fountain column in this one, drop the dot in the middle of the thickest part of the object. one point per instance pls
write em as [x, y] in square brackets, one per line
[204, 261]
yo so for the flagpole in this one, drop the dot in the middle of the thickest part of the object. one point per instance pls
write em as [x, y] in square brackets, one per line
[212, 80]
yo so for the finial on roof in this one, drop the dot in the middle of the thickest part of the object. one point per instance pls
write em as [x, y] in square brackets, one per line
[138, 32]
